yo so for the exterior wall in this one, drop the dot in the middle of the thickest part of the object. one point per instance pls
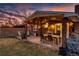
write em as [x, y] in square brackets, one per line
[76, 27]
[77, 9]
[10, 32]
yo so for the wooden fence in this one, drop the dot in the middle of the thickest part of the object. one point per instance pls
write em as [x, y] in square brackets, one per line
[10, 32]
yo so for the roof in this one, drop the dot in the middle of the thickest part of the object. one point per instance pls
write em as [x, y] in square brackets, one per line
[50, 13]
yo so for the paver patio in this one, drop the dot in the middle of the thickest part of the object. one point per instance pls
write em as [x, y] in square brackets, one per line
[36, 40]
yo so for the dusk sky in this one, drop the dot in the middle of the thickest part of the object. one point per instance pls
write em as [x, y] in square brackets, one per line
[49, 7]
[30, 7]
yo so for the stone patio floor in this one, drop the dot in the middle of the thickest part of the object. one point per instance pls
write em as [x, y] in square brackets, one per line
[36, 40]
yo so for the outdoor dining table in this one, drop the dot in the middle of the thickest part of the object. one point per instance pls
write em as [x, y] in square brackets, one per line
[55, 38]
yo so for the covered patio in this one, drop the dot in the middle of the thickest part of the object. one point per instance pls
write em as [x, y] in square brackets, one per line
[51, 27]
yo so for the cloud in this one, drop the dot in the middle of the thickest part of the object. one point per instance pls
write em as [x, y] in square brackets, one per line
[64, 7]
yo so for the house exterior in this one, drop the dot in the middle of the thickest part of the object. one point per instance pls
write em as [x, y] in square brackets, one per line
[77, 9]
[53, 27]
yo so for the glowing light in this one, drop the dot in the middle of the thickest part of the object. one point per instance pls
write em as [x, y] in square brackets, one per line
[46, 25]
[71, 24]
[52, 26]
[58, 24]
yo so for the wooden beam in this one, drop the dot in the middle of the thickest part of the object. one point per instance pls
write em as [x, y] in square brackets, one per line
[64, 31]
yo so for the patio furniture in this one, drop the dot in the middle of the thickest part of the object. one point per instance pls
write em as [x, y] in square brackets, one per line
[56, 39]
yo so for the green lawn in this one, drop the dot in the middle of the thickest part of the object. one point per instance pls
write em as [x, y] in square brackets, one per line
[15, 47]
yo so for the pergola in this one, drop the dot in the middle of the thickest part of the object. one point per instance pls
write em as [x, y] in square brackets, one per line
[48, 18]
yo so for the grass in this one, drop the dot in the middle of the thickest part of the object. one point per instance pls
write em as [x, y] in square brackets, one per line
[15, 47]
